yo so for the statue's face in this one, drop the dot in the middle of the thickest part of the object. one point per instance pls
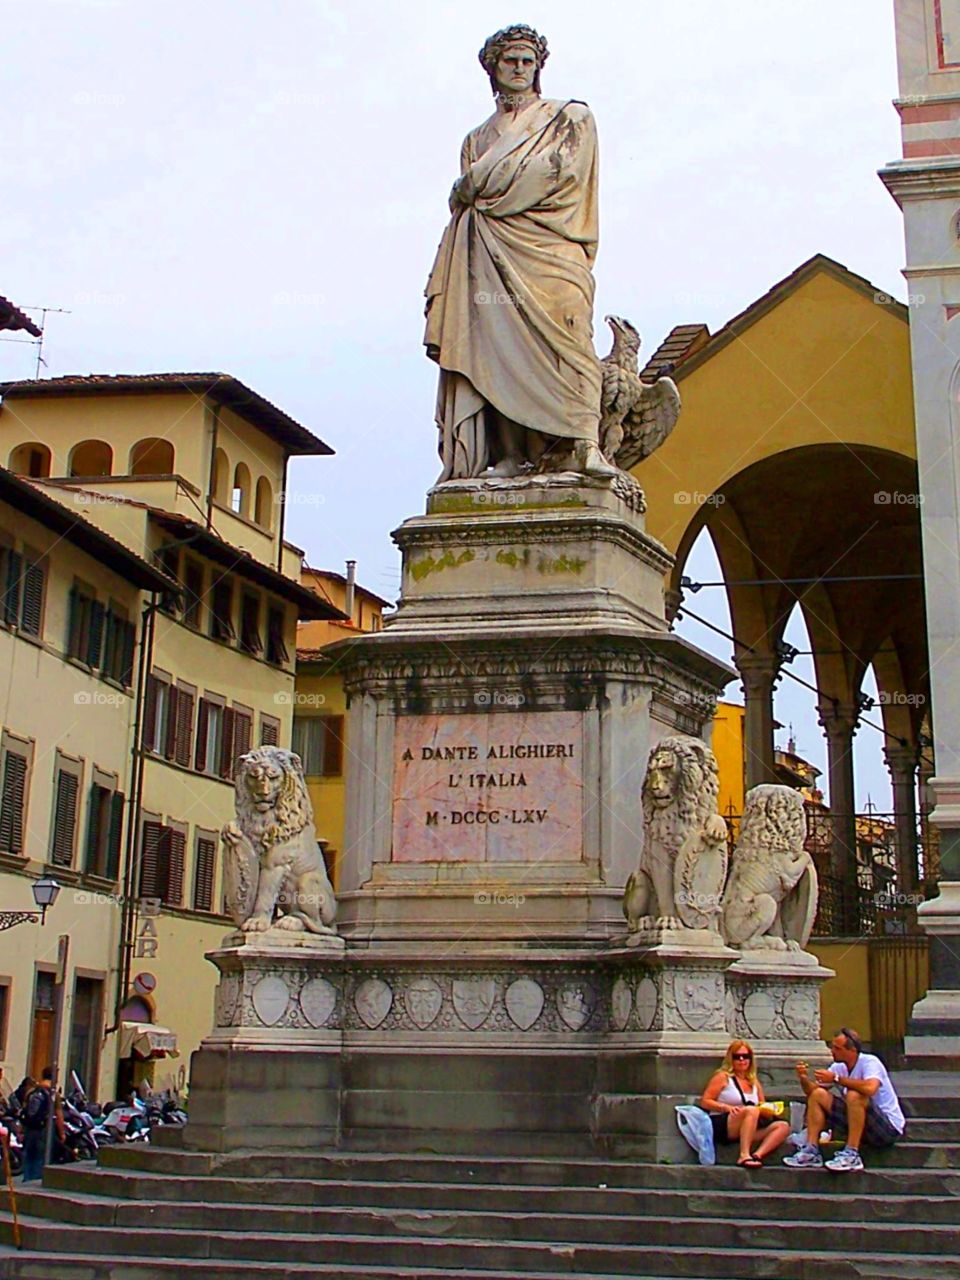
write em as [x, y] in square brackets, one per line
[516, 69]
[264, 783]
[660, 783]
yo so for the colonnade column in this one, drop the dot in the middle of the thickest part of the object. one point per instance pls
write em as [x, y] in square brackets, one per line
[839, 721]
[902, 763]
[758, 672]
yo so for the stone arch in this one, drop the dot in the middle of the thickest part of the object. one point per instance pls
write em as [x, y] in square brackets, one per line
[31, 459]
[263, 509]
[240, 495]
[220, 480]
[91, 458]
[151, 456]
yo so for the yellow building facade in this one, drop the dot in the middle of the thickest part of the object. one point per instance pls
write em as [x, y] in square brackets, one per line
[189, 471]
[67, 709]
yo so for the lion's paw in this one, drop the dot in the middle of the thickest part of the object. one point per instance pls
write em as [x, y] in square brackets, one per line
[668, 922]
[292, 923]
[257, 924]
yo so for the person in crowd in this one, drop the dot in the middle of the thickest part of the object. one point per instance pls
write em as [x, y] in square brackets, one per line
[733, 1098]
[36, 1108]
[866, 1107]
[18, 1098]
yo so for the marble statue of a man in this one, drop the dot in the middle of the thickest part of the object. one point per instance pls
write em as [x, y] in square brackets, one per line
[510, 296]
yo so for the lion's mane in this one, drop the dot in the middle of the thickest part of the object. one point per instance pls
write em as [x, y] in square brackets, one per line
[695, 797]
[292, 810]
[773, 819]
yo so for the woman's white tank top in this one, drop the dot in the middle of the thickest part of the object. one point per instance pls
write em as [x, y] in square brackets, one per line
[731, 1094]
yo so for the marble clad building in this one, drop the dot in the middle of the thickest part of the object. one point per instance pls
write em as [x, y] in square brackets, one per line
[926, 185]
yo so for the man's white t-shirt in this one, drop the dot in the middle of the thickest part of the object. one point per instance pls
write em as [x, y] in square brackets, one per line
[869, 1067]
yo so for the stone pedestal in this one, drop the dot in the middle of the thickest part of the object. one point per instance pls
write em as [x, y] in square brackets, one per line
[773, 1000]
[500, 725]
[269, 1072]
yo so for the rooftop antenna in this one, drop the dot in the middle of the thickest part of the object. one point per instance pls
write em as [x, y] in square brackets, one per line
[44, 312]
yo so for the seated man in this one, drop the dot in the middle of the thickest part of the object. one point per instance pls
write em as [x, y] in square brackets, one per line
[867, 1109]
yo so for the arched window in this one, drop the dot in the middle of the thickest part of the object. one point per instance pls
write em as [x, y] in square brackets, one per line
[240, 498]
[151, 457]
[220, 480]
[91, 458]
[30, 459]
[264, 508]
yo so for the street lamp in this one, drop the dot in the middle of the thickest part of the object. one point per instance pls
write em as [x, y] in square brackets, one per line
[45, 892]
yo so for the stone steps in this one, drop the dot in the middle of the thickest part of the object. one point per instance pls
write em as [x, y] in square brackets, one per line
[774, 1194]
[54, 1266]
[433, 1168]
[647, 1220]
[934, 1129]
[352, 1215]
[427, 1255]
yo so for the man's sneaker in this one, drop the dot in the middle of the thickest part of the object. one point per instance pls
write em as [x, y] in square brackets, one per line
[845, 1161]
[808, 1157]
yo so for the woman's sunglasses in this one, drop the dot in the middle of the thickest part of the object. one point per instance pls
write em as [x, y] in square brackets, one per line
[748, 1056]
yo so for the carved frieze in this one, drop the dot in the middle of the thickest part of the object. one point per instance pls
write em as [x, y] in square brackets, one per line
[773, 1008]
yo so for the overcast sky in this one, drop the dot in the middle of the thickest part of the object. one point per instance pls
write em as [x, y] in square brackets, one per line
[259, 188]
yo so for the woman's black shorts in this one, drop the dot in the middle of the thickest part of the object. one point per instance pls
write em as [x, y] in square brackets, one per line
[719, 1121]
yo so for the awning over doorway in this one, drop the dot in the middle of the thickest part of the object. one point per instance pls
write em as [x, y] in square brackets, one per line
[147, 1040]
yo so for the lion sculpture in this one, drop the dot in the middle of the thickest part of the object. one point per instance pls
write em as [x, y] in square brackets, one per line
[771, 900]
[274, 872]
[679, 882]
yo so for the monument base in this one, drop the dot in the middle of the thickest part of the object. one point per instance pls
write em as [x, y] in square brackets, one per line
[483, 1048]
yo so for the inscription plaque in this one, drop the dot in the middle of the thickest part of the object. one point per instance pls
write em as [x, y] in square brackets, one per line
[502, 787]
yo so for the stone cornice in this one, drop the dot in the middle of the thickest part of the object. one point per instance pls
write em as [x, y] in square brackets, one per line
[921, 179]
[568, 672]
[531, 528]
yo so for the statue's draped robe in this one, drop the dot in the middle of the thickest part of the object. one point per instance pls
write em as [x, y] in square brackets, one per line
[510, 297]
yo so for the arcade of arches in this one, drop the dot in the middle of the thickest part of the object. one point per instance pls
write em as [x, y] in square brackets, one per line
[795, 450]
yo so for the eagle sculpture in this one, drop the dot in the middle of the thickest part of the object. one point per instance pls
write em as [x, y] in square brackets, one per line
[635, 416]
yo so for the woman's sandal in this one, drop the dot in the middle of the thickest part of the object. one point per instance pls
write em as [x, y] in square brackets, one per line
[750, 1162]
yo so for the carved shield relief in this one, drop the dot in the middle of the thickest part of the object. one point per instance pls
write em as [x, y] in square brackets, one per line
[645, 1003]
[473, 999]
[270, 999]
[524, 1001]
[423, 999]
[575, 1004]
[373, 1000]
[621, 1003]
[318, 1000]
[241, 875]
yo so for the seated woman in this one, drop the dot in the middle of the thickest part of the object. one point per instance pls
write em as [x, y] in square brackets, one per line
[733, 1098]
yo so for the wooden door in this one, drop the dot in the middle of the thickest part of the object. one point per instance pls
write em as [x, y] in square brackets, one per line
[41, 1042]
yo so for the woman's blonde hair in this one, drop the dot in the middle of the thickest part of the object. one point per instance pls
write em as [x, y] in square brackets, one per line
[727, 1064]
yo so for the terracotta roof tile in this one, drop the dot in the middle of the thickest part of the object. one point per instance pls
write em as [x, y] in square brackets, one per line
[222, 388]
[682, 341]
